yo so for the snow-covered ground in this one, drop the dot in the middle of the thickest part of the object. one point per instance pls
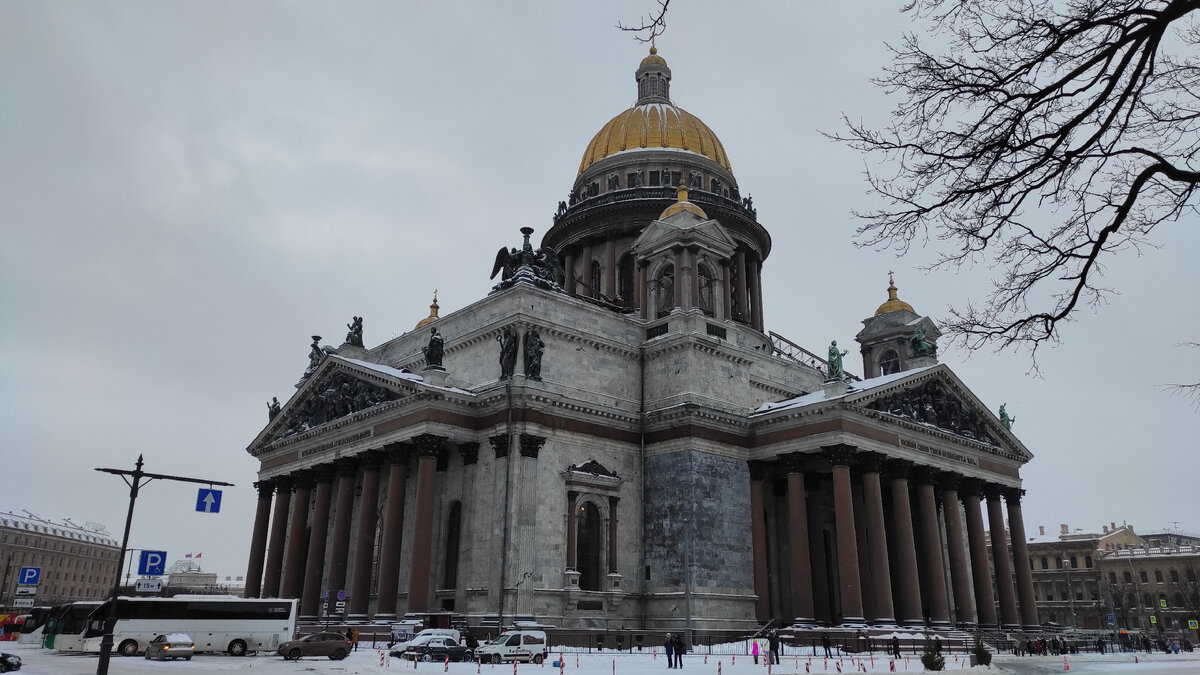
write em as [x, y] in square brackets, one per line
[42, 662]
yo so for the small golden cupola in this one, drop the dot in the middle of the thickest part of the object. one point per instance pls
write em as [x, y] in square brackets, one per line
[433, 313]
[683, 205]
[893, 303]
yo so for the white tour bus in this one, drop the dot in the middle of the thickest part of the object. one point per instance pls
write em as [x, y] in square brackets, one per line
[216, 623]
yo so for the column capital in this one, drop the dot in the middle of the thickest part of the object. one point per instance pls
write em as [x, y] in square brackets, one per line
[371, 459]
[898, 468]
[793, 462]
[283, 484]
[531, 445]
[970, 487]
[758, 469]
[499, 444]
[1013, 495]
[948, 480]
[925, 475]
[469, 452]
[840, 454]
[305, 478]
[992, 491]
[870, 462]
[346, 467]
[265, 488]
[398, 453]
[323, 473]
[428, 445]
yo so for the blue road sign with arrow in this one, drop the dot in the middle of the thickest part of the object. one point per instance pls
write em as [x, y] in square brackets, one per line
[208, 501]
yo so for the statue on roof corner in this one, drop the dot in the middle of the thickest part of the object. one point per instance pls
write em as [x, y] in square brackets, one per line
[508, 352]
[434, 350]
[1005, 419]
[273, 408]
[922, 346]
[525, 265]
[355, 336]
[836, 373]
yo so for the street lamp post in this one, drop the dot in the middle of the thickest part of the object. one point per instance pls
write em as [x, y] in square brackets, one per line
[1070, 591]
[134, 479]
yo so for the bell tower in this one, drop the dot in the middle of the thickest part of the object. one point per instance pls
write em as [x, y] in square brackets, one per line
[896, 338]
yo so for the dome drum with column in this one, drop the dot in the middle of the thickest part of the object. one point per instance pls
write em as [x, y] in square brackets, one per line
[629, 175]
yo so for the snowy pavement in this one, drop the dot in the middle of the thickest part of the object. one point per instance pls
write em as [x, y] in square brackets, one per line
[42, 662]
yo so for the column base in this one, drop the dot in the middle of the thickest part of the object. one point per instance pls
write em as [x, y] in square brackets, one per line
[884, 623]
[1031, 629]
[804, 623]
[308, 618]
[386, 617]
[1011, 626]
[966, 625]
[853, 622]
[356, 618]
[941, 625]
[912, 623]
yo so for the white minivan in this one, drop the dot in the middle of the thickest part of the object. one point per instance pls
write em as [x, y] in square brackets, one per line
[515, 645]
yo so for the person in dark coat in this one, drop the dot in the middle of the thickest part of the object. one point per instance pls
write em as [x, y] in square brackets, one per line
[669, 648]
[826, 644]
[679, 651]
[773, 642]
[896, 646]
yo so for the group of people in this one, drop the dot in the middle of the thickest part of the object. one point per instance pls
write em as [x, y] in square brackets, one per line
[772, 647]
[673, 647]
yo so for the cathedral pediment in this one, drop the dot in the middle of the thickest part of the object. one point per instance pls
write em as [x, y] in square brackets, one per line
[340, 387]
[936, 398]
[685, 228]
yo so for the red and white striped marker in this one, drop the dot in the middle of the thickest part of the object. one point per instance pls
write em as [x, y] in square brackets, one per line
[446, 664]
[1066, 666]
[718, 668]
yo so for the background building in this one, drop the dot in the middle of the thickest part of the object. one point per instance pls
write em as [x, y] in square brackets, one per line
[77, 562]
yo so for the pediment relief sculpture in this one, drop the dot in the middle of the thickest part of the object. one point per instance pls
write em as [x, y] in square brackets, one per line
[593, 467]
[338, 396]
[932, 403]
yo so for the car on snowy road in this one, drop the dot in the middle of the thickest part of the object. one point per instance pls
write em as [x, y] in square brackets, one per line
[171, 646]
[436, 648]
[333, 645]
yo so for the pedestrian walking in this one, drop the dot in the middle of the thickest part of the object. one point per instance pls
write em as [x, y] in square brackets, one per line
[354, 637]
[773, 643]
[896, 646]
[669, 649]
[825, 643]
[754, 650]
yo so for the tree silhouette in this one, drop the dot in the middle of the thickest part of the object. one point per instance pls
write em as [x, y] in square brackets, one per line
[1042, 138]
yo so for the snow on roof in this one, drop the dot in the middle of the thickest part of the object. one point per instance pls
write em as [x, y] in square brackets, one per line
[401, 374]
[65, 530]
[819, 395]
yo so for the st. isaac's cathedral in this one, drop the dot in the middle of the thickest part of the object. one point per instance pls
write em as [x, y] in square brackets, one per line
[613, 438]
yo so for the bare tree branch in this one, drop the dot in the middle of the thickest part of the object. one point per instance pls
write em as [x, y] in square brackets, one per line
[651, 27]
[1049, 137]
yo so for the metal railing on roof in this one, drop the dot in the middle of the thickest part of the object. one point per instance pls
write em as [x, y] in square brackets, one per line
[790, 350]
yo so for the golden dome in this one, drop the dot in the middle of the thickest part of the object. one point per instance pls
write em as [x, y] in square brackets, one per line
[654, 122]
[433, 313]
[893, 303]
[653, 58]
[655, 125]
[683, 205]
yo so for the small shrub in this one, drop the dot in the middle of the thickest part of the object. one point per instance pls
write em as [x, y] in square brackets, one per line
[982, 656]
[932, 657]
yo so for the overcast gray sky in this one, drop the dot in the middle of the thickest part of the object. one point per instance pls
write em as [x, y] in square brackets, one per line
[189, 190]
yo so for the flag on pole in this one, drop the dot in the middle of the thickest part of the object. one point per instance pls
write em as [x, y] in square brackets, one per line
[199, 554]
[187, 555]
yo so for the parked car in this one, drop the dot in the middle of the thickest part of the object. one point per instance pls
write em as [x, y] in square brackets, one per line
[171, 646]
[515, 645]
[9, 662]
[333, 645]
[437, 648]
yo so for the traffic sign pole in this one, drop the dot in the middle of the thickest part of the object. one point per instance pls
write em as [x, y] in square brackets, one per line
[135, 479]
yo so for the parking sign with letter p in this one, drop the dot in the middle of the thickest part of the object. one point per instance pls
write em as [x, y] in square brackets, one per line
[30, 576]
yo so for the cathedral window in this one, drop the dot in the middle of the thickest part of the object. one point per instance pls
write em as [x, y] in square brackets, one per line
[664, 298]
[588, 543]
[453, 541]
[625, 281]
[705, 292]
[594, 280]
[890, 363]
